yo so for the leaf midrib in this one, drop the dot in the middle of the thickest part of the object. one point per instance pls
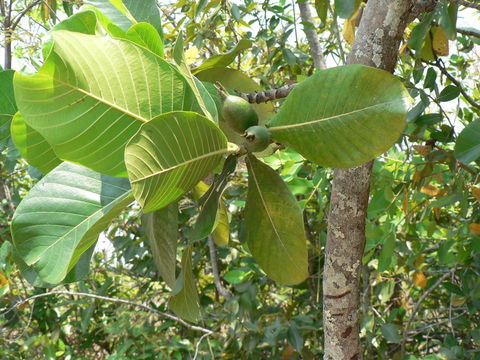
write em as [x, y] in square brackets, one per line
[316, 121]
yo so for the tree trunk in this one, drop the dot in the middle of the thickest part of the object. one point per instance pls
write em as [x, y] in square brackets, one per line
[377, 42]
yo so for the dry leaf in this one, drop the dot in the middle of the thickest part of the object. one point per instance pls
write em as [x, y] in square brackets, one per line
[423, 150]
[3, 280]
[417, 176]
[405, 200]
[440, 41]
[420, 280]
[419, 261]
[474, 228]
[459, 301]
[430, 190]
[476, 192]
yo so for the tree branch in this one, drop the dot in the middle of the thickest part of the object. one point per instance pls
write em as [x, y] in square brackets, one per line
[267, 95]
[312, 37]
[465, 3]
[216, 277]
[439, 64]
[417, 307]
[114, 300]
[21, 14]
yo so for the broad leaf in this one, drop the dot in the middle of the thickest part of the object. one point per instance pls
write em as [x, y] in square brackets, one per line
[322, 9]
[391, 333]
[226, 59]
[115, 11]
[221, 224]
[211, 204]
[203, 97]
[62, 215]
[419, 32]
[8, 106]
[170, 154]
[145, 11]
[274, 225]
[342, 117]
[93, 94]
[184, 300]
[467, 147]
[32, 146]
[345, 8]
[161, 229]
[145, 35]
[79, 271]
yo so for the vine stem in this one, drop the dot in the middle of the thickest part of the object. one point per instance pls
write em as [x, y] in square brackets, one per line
[114, 300]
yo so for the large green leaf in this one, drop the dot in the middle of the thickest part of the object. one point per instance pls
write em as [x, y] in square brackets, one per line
[342, 117]
[115, 11]
[170, 154]
[63, 214]
[145, 35]
[467, 147]
[93, 94]
[78, 272]
[145, 11]
[8, 106]
[161, 229]
[345, 8]
[224, 60]
[184, 301]
[32, 146]
[274, 225]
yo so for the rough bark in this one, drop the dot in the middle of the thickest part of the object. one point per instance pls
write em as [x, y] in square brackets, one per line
[377, 42]
[312, 37]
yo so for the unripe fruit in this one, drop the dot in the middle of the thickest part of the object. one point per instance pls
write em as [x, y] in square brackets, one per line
[238, 113]
[257, 138]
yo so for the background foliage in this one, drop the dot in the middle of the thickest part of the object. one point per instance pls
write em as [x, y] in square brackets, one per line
[420, 280]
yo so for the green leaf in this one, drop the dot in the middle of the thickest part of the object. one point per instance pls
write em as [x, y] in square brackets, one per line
[448, 18]
[449, 93]
[161, 229]
[118, 15]
[295, 337]
[387, 253]
[184, 300]
[322, 9]
[93, 94]
[32, 146]
[274, 225]
[79, 271]
[467, 147]
[343, 116]
[8, 106]
[345, 8]
[221, 232]
[63, 214]
[210, 202]
[170, 154]
[223, 60]
[146, 11]
[419, 33]
[236, 276]
[145, 35]
[203, 97]
[446, 253]
[391, 333]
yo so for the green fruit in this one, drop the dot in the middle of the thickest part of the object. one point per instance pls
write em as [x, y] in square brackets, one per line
[238, 113]
[257, 138]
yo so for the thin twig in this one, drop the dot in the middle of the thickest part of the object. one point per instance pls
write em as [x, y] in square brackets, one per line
[197, 347]
[459, 163]
[417, 307]
[467, 4]
[114, 300]
[337, 34]
[312, 37]
[20, 15]
[216, 276]
[439, 64]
